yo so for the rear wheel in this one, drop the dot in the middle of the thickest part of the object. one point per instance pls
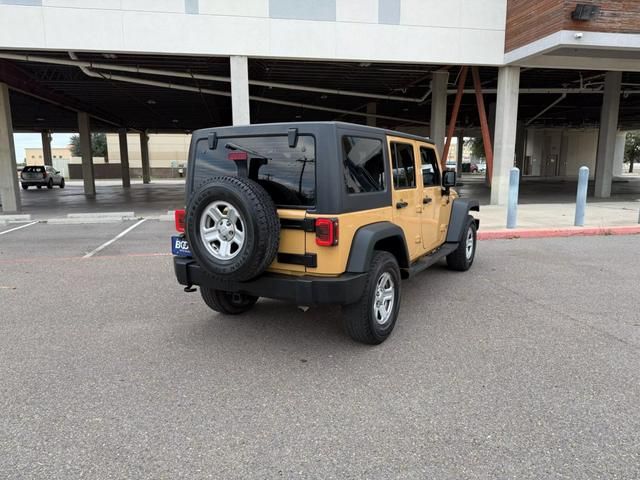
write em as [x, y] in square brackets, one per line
[50, 184]
[462, 257]
[39, 186]
[227, 302]
[25, 186]
[371, 319]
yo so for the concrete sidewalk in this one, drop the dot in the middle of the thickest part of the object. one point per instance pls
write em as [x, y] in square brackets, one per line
[554, 215]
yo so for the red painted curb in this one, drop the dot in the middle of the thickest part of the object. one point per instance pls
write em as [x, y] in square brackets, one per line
[558, 232]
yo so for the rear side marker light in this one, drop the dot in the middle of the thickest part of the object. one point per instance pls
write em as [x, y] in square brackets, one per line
[326, 232]
[179, 216]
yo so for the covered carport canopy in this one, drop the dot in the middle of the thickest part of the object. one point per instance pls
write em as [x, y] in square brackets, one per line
[186, 93]
[59, 91]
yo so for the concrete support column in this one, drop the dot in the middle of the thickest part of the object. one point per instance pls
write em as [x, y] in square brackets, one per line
[241, 114]
[9, 193]
[618, 156]
[372, 108]
[459, 150]
[438, 123]
[144, 152]
[46, 147]
[607, 135]
[124, 158]
[86, 152]
[505, 133]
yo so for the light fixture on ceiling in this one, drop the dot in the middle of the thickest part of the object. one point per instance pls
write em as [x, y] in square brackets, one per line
[39, 119]
[110, 56]
[175, 120]
[323, 97]
[151, 101]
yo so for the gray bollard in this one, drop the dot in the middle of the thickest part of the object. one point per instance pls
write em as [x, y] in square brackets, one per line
[512, 206]
[581, 197]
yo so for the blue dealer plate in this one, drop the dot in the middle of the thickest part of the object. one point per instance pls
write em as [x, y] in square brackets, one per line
[180, 246]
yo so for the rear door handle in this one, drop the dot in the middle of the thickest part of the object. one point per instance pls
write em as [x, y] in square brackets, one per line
[402, 204]
[427, 200]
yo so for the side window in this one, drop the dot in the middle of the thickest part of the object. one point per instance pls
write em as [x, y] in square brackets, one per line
[430, 173]
[363, 164]
[404, 174]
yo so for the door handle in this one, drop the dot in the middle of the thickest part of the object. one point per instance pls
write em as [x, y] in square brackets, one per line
[427, 200]
[402, 204]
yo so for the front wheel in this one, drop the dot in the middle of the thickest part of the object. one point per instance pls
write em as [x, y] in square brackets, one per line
[371, 319]
[462, 257]
[62, 183]
[25, 186]
[227, 302]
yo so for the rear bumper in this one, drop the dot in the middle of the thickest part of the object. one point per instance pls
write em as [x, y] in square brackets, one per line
[301, 290]
[33, 183]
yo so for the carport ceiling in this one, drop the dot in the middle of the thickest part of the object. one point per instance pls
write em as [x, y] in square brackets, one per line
[156, 108]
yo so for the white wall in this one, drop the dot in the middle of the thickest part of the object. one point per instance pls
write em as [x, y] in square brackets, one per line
[579, 147]
[165, 150]
[428, 31]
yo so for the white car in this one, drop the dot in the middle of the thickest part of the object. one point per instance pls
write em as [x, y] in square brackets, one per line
[41, 176]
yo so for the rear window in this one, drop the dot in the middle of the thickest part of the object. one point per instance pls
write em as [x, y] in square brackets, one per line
[33, 169]
[288, 174]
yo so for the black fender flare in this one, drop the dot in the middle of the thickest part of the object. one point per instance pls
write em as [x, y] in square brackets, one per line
[365, 240]
[459, 213]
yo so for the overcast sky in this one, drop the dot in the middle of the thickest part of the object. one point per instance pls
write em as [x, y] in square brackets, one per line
[34, 140]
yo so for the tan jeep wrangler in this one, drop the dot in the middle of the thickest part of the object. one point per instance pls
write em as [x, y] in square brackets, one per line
[317, 213]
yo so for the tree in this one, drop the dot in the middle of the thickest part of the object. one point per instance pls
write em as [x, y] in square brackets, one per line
[476, 145]
[632, 149]
[98, 146]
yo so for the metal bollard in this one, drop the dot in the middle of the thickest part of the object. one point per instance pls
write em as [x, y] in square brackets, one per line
[512, 206]
[581, 197]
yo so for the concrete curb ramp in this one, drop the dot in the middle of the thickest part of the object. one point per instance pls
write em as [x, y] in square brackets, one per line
[5, 219]
[98, 217]
[558, 232]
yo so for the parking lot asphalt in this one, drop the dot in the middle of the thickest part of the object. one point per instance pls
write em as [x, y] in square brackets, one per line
[527, 366]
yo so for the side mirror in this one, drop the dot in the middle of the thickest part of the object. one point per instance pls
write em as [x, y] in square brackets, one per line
[449, 179]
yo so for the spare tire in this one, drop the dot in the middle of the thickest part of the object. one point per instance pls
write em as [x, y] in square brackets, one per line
[233, 228]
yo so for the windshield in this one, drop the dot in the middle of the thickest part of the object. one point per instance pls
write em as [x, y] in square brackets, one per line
[287, 173]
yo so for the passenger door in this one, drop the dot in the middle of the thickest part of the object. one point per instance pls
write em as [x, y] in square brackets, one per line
[432, 235]
[406, 197]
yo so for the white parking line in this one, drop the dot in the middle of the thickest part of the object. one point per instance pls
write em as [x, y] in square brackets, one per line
[18, 228]
[120, 235]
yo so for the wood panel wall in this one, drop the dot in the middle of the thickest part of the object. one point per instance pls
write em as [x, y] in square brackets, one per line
[530, 20]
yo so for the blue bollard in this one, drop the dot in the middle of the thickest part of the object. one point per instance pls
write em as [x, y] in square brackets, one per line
[581, 197]
[512, 206]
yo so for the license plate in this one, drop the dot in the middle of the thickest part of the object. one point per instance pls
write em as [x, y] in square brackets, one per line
[180, 246]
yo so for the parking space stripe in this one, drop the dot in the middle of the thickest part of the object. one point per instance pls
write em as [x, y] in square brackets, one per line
[18, 228]
[120, 235]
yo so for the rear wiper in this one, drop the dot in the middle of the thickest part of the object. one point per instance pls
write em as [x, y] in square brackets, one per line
[233, 146]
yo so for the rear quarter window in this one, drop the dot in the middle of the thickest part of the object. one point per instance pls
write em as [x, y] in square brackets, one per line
[364, 165]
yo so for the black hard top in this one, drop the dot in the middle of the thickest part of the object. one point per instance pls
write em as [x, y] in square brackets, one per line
[257, 127]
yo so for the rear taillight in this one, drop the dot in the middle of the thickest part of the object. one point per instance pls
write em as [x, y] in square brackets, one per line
[179, 216]
[326, 232]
